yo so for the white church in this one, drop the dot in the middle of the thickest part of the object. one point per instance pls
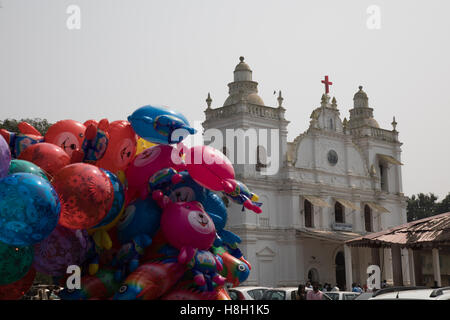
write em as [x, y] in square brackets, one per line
[338, 180]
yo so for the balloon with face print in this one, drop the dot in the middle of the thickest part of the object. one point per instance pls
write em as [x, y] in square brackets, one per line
[148, 163]
[66, 134]
[121, 147]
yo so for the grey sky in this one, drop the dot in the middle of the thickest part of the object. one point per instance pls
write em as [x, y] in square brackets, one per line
[131, 53]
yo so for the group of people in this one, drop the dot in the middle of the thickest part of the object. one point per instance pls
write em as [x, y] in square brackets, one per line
[314, 291]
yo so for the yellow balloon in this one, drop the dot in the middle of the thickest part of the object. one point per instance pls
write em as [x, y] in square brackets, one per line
[143, 144]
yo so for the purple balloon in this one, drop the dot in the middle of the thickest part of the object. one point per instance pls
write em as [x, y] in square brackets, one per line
[62, 248]
[5, 157]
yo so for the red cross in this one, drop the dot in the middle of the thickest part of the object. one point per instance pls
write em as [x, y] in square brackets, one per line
[327, 84]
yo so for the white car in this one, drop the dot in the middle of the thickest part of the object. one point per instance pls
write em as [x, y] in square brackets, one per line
[412, 293]
[247, 293]
[342, 295]
[285, 293]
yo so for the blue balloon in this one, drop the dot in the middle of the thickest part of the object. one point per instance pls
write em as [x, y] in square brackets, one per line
[141, 217]
[29, 209]
[119, 199]
[160, 125]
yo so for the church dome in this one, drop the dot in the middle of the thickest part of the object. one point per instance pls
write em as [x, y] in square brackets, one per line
[373, 123]
[252, 98]
[242, 66]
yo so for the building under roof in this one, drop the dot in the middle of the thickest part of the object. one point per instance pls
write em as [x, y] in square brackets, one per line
[429, 234]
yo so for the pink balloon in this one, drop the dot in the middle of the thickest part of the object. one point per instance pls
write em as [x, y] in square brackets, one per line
[210, 168]
[146, 164]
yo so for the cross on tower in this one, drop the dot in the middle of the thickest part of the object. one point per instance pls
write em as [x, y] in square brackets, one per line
[327, 84]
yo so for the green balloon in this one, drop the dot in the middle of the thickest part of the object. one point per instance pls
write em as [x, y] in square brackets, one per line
[24, 166]
[14, 262]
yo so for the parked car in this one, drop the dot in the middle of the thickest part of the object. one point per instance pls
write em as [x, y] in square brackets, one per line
[285, 293]
[412, 293]
[247, 293]
[364, 296]
[342, 295]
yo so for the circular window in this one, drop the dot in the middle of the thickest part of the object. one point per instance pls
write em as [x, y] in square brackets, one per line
[332, 157]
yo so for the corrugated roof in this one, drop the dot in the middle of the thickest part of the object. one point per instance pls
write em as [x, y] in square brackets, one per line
[431, 231]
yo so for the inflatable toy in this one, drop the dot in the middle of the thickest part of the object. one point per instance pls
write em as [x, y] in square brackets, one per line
[150, 281]
[29, 209]
[17, 289]
[64, 247]
[242, 195]
[5, 157]
[135, 231]
[210, 168]
[66, 134]
[47, 156]
[188, 190]
[86, 195]
[95, 143]
[14, 262]
[18, 142]
[160, 125]
[102, 285]
[234, 270]
[187, 227]
[121, 147]
[23, 166]
[148, 163]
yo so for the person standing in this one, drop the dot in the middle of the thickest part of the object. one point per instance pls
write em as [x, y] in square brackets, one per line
[315, 293]
[301, 292]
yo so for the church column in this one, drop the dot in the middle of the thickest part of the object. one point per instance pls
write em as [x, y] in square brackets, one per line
[436, 267]
[348, 267]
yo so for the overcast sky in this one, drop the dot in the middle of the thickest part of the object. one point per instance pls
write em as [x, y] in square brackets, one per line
[132, 53]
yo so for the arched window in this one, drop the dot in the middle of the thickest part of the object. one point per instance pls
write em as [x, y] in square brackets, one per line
[338, 213]
[368, 218]
[309, 221]
[261, 158]
[331, 124]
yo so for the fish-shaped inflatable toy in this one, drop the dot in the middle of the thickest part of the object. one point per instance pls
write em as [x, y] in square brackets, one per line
[160, 125]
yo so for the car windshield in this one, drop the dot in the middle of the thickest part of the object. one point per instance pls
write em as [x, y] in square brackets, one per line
[256, 294]
[233, 294]
[275, 295]
[333, 295]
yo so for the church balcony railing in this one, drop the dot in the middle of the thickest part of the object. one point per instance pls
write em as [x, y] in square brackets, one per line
[264, 222]
[383, 134]
[338, 226]
[252, 109]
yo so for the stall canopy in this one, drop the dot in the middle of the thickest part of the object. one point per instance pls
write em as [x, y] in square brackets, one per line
[429, 232]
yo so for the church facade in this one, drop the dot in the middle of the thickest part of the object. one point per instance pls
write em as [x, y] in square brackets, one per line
[338, 180]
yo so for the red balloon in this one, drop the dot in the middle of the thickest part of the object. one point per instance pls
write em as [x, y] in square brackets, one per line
[86, 195]
[121, 147]
[47, 156]
[67, 134]
[16, 290]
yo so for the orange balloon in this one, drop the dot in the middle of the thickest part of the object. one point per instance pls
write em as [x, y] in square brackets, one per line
[86, 195]
[121, 147]
[67, 134]
[47, 156]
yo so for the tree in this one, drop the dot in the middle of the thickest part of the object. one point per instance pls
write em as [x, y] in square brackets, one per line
[420, 207]
[41, 125]
[425, 205]
[444, 205]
